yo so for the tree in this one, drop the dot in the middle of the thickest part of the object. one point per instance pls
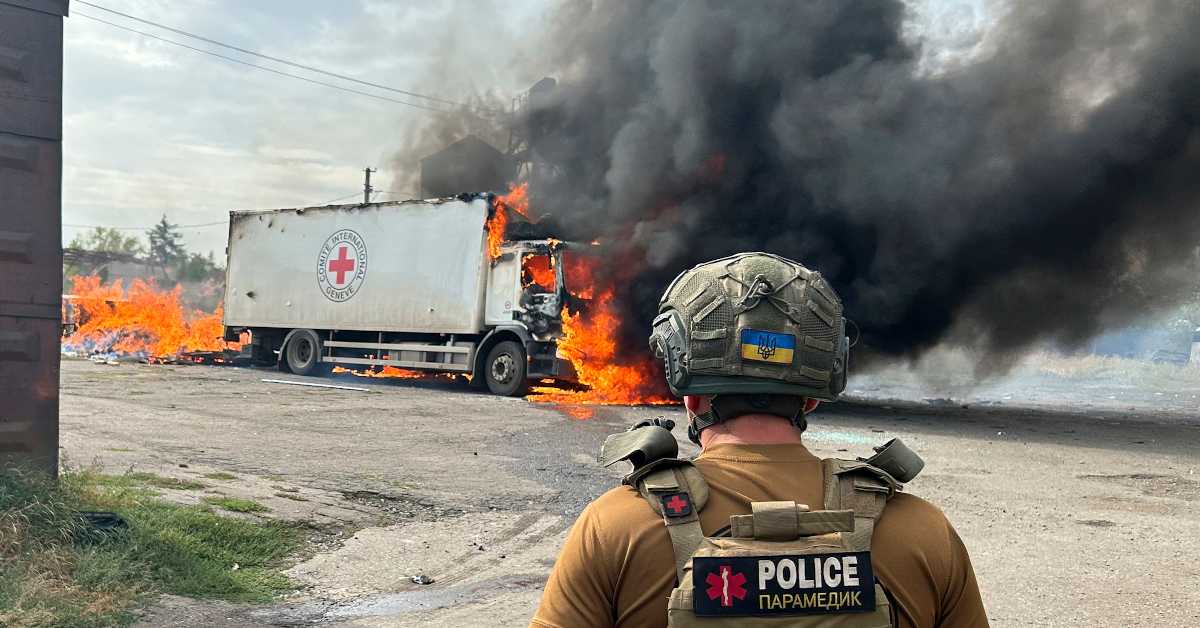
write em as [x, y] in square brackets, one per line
[100, 240]
[108, 240]
[197, 267]
[166, 247]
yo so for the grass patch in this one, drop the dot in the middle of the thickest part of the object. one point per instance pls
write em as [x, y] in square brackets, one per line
[220, 475]
[235, 504]
[134, 479]
[55, 571]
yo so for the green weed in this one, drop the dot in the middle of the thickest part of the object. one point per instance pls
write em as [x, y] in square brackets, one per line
[56, 571]
[235, 504]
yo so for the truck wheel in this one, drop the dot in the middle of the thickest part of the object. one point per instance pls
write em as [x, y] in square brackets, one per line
[303, 353]
[505, 369]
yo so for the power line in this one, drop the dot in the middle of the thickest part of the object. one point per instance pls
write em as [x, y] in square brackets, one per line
[261, 67]
[197, 226]
[340, 198]
[275, 59]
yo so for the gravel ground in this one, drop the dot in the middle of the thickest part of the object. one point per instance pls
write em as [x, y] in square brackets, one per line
[1077, 509]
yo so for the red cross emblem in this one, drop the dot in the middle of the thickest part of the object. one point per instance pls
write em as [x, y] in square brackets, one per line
[726, 584]
[341, 265]
[677, 504]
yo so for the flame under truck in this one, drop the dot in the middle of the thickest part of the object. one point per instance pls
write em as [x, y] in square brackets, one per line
[407, 284]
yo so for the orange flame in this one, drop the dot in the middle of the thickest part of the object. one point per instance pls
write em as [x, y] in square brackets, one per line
[589, 343]
[578, 271]
[516, 200]
[540, 271]
[394, 372]
[144, 319]
[386, 372]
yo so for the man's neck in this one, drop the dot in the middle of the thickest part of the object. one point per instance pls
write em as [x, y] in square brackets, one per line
[751, 429]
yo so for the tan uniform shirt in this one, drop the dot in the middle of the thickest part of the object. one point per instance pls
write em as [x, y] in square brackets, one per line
[617, 567]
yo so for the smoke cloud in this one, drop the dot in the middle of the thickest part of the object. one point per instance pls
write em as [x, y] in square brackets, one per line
[1044, 188]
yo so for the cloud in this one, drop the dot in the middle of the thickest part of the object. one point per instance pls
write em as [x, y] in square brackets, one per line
[151, 128]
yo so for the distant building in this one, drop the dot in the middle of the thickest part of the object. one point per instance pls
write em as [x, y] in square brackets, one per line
[468, 165]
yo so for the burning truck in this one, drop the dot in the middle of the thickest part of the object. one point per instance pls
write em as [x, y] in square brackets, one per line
[430, 285]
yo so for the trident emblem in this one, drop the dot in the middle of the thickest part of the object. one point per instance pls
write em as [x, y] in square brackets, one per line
[767, 346]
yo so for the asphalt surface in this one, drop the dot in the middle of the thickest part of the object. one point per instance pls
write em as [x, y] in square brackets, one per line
[1073, 515]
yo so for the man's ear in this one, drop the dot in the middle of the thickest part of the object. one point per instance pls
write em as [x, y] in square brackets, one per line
[811, 404]
[692, 403]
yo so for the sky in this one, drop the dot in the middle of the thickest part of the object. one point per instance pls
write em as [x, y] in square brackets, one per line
[152, 129]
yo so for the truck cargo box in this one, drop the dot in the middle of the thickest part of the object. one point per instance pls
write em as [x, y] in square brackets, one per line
[414, 266]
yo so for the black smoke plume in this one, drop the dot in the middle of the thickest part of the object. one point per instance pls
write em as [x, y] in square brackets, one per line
[1044, 188]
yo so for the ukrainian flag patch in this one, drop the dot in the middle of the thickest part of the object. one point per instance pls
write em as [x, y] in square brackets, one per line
[767, 346]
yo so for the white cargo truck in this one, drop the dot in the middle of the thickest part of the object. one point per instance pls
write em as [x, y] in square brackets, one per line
[408, 284]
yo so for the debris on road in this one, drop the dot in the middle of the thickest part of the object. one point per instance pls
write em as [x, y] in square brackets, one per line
[422, 579]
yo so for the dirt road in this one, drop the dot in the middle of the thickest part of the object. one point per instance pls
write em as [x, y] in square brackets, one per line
[1071, 519]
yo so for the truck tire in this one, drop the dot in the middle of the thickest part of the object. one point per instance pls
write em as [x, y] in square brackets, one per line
[505, 369]
[303, 354]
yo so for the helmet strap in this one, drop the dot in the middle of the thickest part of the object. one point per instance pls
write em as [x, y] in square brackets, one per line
[725, 407]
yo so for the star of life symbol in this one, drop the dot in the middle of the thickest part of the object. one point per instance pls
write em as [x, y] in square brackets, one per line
[726, 584]
[342, 265]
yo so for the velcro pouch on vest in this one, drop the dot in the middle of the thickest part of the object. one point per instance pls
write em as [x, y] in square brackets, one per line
[787, 520]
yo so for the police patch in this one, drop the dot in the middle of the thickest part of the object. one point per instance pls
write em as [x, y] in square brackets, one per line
[676, 504]
[808, 584]
[767, 346]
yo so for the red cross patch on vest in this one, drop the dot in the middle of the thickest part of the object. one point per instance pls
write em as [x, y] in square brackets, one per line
[676, 504]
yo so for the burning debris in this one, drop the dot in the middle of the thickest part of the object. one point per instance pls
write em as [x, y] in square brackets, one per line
[144, 322]
[394, 372]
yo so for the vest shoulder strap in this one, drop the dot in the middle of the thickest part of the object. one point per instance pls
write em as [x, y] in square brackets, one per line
[677, 492]
[861, 487]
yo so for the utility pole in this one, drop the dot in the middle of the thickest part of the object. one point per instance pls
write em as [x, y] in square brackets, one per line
[367, 189]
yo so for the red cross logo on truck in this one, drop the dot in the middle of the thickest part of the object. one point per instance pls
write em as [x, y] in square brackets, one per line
[342, 265]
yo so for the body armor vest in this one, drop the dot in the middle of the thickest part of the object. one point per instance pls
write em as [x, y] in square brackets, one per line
[782, 565]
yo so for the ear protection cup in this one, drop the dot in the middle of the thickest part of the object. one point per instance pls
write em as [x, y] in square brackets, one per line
[841, 366]
[668, 341]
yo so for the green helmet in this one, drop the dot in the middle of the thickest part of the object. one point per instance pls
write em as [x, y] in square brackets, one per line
[752, 323]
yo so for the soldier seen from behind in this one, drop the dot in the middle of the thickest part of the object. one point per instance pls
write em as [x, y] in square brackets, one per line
[757, 531]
